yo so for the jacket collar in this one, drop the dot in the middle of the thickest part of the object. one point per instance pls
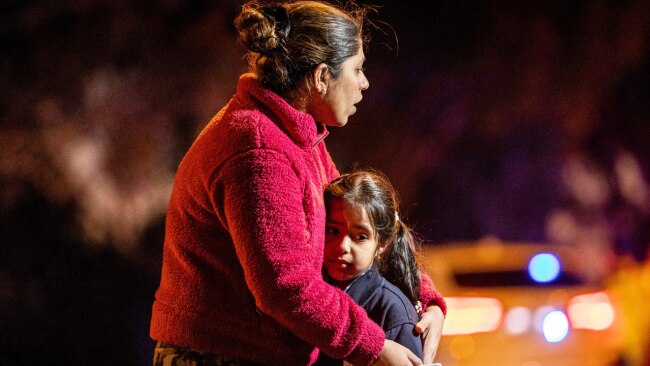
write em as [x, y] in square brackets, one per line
[364, 286]
[300, 126]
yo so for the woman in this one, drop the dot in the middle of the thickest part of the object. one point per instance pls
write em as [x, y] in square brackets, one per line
[241, 279]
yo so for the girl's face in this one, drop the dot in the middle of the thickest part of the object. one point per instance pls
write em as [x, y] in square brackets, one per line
[350, 241]
[337, 104]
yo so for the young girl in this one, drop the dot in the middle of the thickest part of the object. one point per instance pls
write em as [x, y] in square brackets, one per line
[369, 253]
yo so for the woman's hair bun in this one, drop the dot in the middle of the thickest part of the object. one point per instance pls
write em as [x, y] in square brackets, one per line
[286, 40]
[257, 29]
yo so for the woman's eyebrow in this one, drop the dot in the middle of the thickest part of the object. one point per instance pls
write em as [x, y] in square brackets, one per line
[332, 221]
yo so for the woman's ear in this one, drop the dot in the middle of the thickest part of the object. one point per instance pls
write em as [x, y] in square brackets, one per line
[320, 78]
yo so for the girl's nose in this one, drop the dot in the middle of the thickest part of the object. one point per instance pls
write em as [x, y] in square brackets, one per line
[344, 245]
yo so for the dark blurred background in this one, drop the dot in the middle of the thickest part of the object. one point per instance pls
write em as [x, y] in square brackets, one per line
[522, 120]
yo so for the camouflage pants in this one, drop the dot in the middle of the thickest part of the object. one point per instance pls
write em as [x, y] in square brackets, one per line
[167, 355]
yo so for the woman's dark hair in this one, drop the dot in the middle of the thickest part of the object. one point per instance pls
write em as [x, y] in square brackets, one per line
[287, 41]
[372, 191]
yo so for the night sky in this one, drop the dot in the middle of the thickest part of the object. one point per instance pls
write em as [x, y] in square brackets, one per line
[522, 120]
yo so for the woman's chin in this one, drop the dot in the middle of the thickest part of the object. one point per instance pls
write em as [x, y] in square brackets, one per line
[338, 123]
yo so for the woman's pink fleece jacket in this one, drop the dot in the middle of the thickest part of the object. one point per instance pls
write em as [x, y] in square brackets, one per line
[243, 249]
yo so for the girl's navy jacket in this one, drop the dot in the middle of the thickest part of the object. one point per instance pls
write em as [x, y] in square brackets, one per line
[387, 306]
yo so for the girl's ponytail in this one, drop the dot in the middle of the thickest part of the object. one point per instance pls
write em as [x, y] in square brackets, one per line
[398, 262]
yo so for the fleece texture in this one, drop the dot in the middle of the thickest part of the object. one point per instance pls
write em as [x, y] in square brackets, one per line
[243, 249]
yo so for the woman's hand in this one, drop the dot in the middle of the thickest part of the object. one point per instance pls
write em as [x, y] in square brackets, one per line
[430, 326]
[395, 354]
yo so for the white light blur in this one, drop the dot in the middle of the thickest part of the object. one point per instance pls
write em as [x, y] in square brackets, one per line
[517, 320]
[555, 326]
[467, 315]
[539, 315]
[591, 311]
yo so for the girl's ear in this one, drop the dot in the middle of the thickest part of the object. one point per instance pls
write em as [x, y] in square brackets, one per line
[320, 78]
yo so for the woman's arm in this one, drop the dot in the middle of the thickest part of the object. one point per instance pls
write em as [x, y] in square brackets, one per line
[404, 335]
[430, 326]
[394, 353]
[433, 317]
[429, 296]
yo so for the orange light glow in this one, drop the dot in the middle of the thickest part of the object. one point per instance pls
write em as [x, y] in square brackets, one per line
[467, 315]
[591, 311]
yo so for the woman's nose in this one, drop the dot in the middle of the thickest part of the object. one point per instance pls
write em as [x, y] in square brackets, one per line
[365, 84]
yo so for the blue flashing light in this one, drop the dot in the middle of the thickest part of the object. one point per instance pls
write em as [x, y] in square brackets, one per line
[555, 326]
[544, 267]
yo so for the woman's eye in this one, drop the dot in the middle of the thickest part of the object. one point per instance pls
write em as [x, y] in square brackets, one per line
[332, 231]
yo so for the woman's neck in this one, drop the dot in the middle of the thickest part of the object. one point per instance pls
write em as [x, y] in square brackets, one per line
[300, 97]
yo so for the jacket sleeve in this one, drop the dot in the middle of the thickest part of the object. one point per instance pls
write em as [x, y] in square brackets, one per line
[429, 296]
[264, 206]
[406, 336]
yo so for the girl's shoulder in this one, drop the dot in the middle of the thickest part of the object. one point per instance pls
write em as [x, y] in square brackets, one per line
[399, 308]
[398, 317]
[384, 302]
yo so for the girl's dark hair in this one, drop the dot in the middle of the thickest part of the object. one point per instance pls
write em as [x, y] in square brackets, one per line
[372, 191]
[287, 41]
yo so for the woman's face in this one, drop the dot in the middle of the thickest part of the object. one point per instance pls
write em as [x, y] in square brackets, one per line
[350, 241]
[337, 103]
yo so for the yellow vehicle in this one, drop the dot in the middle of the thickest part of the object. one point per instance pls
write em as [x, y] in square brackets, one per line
[521, 304]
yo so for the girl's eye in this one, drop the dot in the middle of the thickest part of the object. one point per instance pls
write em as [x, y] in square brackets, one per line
[362, 237]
